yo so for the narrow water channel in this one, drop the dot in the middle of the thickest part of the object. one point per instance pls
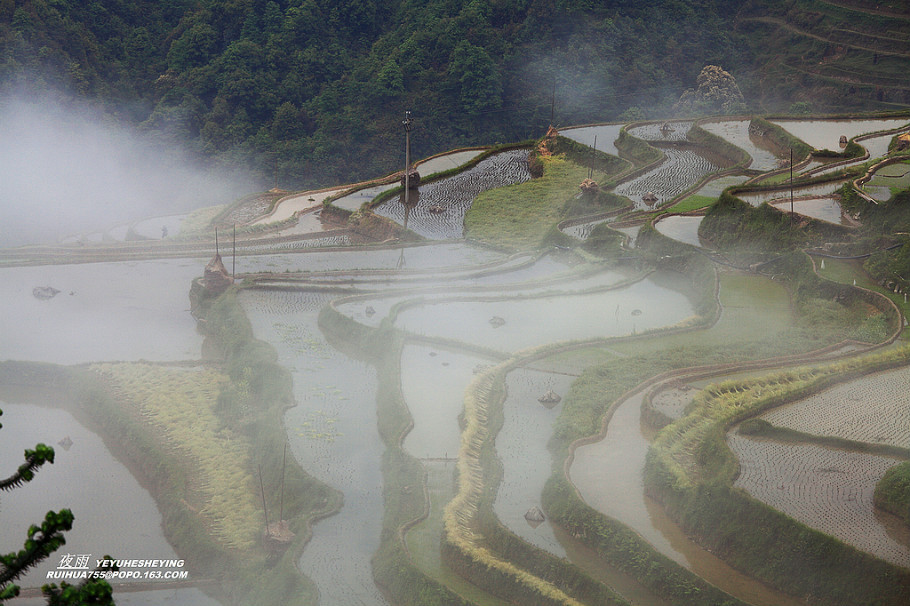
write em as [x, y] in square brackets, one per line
[609, 475]
[333, 434]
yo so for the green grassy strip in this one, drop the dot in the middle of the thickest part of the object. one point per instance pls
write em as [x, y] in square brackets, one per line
[892, 493]
[736, 156]
[403, 475]
[636, 150]
[691, 470]
[781, 139]
[520, 216]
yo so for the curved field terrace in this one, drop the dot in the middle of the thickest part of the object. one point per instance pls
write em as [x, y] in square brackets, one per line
[829, 490]
[441, 205]
[676, 174]
[873, 409]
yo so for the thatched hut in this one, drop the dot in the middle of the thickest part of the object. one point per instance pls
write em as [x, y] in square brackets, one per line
[216, 278]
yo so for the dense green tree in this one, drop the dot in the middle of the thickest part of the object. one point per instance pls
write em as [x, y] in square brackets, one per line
[474, 71]
[43, 540]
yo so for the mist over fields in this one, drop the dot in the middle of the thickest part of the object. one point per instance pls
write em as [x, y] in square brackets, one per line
[66, 172]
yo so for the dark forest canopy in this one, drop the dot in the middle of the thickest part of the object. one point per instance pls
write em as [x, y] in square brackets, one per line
[318, 88]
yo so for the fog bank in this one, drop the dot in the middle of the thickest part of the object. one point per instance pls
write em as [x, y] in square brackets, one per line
[65, 172]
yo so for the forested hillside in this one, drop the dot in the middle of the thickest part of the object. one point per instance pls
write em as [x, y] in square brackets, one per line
[316, 89]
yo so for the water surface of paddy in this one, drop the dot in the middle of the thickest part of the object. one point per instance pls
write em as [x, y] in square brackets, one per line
[606, 135]
[825, 134]
[333, 434]
[521, 446]
[681, 228]
[737, 133]
[104, 311]
[113, 513]
[530, 322]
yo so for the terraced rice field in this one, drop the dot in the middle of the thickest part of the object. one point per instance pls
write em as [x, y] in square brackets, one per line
[583, 230]
[250, 210]
[675, 175]
[522, 448]
[825, 209]
[737, 133]
[605, 134]
[825, 134]
[812, 191]
[710, 191]
[652, 132]
[441, 205]
[888, 180]
[874, 409]
[829, 490]
[681, 228]
[332, 433]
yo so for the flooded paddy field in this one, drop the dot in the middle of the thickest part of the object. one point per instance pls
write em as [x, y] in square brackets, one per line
[103, 311]
[483, 299]
[888, 180]
[333, 435]
[441, 205]
[529, 322]
[711, 191]
[422, 257]
[737, 133]
[662, 131]
[681, 228]
[125, 524]
[756, 198]
[433, 382]
[676, 174]
[825, 209]
[825, 134]
[827, 489]
[521, 445]
[604, 135]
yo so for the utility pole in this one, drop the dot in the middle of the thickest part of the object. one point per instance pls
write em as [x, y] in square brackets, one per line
[553, 103]
[407, 155]
[791, 187]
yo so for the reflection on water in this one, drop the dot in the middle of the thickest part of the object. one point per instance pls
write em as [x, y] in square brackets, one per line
[825, 209]
[737, 133]
[605, 135]
[433, 382]
[521, 446]
[822, 189]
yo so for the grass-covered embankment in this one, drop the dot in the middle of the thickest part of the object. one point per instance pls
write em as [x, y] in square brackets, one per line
[403, 476]
[522, 216]
[779, 139]
[731, 223]
[198, 439]
[691, 471]
[892, 493]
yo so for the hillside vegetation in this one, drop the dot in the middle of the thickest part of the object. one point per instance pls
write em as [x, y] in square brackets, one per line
[312, 92]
